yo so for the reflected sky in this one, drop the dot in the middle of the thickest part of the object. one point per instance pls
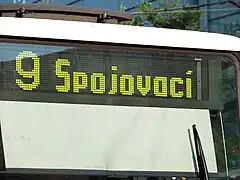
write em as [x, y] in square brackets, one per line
[9, 51]
[105, 4]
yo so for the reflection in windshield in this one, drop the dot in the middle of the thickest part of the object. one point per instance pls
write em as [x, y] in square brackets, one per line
[11, 50]
[231, 121]
[104, 4]
[226, 135]
[230, 130]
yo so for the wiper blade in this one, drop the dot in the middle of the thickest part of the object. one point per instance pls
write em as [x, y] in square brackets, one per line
[202, 166]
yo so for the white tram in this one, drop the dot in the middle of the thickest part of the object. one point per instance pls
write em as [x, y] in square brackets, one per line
[96, 99]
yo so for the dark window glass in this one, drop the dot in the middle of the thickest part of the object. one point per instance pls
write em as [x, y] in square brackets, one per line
[127, 76]
[109, 75]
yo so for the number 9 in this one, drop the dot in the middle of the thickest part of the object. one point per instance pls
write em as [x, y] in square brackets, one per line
[35, 73]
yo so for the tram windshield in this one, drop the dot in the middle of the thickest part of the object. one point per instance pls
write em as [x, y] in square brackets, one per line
[127, 110]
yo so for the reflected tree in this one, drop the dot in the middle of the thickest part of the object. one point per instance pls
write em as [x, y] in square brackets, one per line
[163, 17]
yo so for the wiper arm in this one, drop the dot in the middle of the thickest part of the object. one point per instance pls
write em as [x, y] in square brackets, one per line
[202, 166]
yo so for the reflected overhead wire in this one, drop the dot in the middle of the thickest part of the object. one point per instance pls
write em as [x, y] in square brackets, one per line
[236, 4]
[74, 2]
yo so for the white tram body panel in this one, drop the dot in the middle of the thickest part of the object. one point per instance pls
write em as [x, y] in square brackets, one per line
[101, 137]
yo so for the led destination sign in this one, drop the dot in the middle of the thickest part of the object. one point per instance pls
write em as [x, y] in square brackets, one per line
[96, 82]
[99, 74]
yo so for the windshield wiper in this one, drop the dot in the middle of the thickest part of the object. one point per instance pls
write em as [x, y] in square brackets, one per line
[202, 166]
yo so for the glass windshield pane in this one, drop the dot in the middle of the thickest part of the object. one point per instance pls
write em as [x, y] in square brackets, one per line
[178, 77]
[170, 90]
[230, 118]
[226, 123]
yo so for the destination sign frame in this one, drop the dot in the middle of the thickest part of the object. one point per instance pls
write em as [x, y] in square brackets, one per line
[209, 101]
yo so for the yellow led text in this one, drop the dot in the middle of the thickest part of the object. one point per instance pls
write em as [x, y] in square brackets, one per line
[162, 86]
[99, 83]
[34, 74]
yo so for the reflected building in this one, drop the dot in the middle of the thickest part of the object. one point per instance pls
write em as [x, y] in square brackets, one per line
[222, 17]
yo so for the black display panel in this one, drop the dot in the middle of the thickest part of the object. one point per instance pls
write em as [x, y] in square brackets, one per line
[111, 75]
